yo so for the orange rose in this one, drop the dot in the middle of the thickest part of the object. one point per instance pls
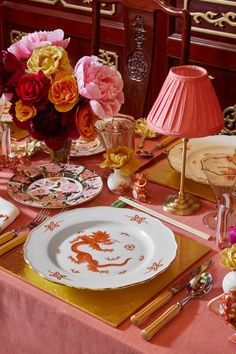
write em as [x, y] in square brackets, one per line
[85, 120]
[24, 112]
[64, 92]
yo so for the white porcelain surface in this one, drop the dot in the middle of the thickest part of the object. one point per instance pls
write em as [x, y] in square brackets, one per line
[229, 281]
[100, 248]
[197, 149]
[118, 183]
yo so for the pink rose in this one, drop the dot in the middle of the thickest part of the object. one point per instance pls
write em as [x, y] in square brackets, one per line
[25, 47]
[101, 84]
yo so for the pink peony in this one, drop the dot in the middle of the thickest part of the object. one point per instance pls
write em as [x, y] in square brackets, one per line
[101, 84]
[25, 47]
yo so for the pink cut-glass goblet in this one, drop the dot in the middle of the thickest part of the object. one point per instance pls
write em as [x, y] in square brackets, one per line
[220, 170]
[116, 131]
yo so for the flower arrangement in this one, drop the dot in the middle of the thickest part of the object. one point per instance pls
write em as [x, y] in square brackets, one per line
[52, 100]
[122, 158]
[228, 257]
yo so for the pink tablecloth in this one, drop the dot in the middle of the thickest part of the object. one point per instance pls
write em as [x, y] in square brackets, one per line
[33, 322]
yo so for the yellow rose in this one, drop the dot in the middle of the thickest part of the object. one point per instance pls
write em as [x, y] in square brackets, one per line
[121, 157]
[64, 93]
[50, 59]
[228, 257]
[24, 112]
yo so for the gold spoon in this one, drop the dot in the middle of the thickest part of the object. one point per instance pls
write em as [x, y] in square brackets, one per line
[149, 153]
[198, 286]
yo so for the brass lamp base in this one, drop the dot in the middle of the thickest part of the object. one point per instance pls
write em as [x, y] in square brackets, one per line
[181, 205]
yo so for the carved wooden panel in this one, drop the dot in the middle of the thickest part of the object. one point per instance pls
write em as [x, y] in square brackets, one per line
[136, 62]
[213, 43]
[213, 17]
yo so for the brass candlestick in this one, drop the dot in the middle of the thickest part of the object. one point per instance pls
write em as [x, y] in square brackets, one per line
[182, 203]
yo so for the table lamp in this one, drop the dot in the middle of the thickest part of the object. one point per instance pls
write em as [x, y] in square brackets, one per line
[186, 107]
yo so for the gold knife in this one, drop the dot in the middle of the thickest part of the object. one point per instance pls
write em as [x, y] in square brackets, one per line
[153, 161]
[144, 313]
[161, 156]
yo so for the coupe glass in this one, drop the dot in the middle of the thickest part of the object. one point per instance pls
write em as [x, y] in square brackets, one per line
[220, 170]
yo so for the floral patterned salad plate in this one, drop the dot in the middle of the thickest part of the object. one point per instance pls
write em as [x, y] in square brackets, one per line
[82, 147]
[197, 149]
[100, 248]
[54, 186]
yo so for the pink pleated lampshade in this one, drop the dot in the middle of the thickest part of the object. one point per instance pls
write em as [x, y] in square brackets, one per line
[187, 105]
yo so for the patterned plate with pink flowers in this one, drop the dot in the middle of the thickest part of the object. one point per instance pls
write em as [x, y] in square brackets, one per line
[100, 248]
[81, 147]
[54, 186]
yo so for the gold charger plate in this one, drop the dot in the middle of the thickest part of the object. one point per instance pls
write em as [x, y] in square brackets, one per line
[165, 175]
[111, 306]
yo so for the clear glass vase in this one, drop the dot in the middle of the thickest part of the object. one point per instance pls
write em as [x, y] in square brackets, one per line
[62, 155]
[5, 131]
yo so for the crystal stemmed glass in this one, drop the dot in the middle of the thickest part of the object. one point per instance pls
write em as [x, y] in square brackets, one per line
[220, 171]
[116, 131]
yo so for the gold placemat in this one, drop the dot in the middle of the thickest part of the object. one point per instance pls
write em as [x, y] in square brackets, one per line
[110, 306]
[165, 175]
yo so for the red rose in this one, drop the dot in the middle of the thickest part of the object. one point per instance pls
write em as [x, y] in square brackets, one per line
[10, 71]
[32, 89]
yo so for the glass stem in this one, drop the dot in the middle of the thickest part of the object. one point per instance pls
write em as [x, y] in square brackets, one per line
[6, 140]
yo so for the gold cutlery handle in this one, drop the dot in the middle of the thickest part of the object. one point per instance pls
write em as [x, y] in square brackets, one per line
[7, 236]
[155, 326]
[141, 141]
[141, 316]
[13, 243]
[167, 141]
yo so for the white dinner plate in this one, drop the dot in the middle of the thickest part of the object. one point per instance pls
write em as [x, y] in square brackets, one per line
[197, 149]
[54, 186]
[100, 248]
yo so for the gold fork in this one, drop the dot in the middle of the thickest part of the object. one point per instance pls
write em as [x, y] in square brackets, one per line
[38, 219]
[16, 241]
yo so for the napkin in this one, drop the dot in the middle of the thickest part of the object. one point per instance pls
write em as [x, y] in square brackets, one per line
[8, 213]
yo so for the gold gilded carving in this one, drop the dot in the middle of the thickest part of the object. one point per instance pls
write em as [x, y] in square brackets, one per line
[229, 115]
[109, 58]
[106, 11]
[51, 2]
[212, 17]
[217, 2]
[111, 10]
[16, 35]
